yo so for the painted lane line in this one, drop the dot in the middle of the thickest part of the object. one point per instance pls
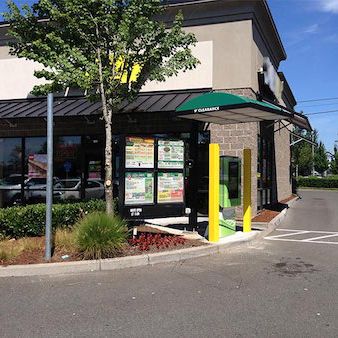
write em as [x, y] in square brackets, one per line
[314, 231]
[321, 237]
[289, 230]
[292, 234]
[298, 240]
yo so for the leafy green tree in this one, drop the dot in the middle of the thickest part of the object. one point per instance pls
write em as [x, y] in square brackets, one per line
[321, 162]
[302, 151]
[304, 160]
[108, 48]
[334, 161]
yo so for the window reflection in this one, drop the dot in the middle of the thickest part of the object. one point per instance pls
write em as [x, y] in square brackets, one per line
[10, 171]
[78, 169]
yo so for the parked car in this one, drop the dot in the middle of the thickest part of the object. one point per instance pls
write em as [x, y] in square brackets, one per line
[71, 189]
[34, 189]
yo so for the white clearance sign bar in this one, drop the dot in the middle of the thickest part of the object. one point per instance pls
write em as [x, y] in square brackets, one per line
[203, 110]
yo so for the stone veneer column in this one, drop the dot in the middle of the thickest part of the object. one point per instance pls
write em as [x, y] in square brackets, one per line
[233, 138]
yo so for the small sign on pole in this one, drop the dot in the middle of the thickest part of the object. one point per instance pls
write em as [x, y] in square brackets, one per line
[49, 186]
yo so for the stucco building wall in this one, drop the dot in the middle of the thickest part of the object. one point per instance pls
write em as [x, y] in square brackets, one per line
[233, 39]
[283, 162]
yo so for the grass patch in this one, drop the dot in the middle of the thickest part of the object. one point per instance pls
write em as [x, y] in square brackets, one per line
[64, 239]
[10, 249]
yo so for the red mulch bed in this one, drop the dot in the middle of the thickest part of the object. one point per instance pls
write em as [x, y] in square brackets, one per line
[163, 242]
[265, 216]
[289, 198]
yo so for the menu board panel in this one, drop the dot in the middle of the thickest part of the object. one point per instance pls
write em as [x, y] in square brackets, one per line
[170, 188]
[139, 188]
[170, 154]
[139, 152]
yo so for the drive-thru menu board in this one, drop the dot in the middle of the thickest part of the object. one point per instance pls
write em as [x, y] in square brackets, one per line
[170, 154]
[170, 187]
[139, 152]
[139, 188]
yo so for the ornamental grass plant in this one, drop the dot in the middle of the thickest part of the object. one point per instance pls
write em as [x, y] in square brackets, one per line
[99, 235]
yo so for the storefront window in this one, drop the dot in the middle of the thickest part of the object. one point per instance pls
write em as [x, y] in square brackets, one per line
[36, 157]
[94, 167]
[10, 171]
[67, 157]
[67, 168]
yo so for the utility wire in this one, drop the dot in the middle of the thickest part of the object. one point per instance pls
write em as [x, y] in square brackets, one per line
[315, 100]
[319, 105]
[321, 112]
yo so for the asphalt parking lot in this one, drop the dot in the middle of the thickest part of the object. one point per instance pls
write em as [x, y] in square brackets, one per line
[284, 286]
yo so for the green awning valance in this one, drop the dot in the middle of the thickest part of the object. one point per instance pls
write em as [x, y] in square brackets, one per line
[224, 108]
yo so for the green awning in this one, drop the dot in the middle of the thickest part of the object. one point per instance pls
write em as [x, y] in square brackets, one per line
[224, 108]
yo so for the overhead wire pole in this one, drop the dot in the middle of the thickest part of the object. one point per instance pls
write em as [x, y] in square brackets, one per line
[49, 188]
[313, 154]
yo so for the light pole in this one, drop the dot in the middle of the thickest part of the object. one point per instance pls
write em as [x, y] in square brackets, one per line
[49, 188]
[313, 154]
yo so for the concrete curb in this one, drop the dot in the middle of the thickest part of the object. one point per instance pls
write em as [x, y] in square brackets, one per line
[140, 260]
[124, 262]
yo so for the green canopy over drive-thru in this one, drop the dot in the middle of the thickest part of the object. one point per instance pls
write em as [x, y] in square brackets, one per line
[224, 108]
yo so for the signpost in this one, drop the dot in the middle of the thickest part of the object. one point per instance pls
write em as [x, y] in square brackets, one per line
[49, 188]
[152, 178]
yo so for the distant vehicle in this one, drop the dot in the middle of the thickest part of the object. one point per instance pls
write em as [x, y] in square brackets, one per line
[34, 189]
[71, 189]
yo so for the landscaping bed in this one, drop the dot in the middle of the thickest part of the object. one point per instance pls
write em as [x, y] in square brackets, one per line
[265, 216]
[286, 200]
[30, 250]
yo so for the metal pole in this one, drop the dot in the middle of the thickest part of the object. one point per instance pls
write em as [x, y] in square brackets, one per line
[313, 154]
[49, 188]
[213, 228]
[246, 190]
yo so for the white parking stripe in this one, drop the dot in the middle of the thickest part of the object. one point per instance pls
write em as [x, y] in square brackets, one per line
[314, 231]
[292, 232]
[321, 237]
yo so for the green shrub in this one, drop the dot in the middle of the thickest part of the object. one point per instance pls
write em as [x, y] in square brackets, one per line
[99, 235]
[316, 182]
[21, 221]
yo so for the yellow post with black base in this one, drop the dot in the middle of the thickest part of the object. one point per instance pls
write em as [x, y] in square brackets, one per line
[246, 190]
[214, 166]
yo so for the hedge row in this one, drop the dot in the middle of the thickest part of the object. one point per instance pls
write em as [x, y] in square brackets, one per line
[317, 182]
[21, 221]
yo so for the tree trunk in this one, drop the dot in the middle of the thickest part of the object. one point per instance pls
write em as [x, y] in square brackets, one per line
[109, 164]
[107, 114]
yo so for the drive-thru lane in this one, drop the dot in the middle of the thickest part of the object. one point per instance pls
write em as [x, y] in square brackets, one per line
[268, 288]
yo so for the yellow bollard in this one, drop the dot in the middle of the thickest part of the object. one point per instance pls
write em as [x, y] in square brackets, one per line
[213, 234]
[246, 190]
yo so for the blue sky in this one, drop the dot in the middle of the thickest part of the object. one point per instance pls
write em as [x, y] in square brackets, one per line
[309, 31]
